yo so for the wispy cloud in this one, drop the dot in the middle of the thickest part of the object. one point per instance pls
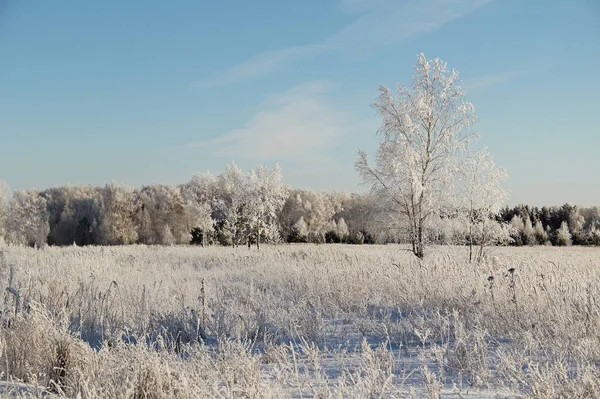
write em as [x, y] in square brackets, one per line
[294, 124]
[383, 23]
[359, 6]
[378, 23]
[259, 65]
[485, 82]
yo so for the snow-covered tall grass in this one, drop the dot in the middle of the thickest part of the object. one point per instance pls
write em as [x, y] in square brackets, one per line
[301, 320]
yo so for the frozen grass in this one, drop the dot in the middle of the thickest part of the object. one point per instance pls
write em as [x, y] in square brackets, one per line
[301, 321]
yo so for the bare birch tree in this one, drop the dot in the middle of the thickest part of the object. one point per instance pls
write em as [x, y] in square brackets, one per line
[424, 132]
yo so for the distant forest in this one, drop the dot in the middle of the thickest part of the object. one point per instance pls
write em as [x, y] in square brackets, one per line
[555, 225]
[238, 208]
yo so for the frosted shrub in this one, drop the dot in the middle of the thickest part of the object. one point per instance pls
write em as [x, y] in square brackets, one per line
[563, 236]
[541, 236]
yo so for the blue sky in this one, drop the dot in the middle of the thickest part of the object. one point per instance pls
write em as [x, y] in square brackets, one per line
[151, 91]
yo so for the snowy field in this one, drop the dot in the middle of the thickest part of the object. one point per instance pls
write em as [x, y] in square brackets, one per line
[297, 321]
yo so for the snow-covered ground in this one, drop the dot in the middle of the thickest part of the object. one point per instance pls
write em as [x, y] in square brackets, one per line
[302, 321]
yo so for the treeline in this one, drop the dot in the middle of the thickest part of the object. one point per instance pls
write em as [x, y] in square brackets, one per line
[230, 209]
[556, 225]
[237, 208]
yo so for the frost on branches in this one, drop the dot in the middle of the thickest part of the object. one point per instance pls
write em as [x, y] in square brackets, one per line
[200, 195]
[117, 224]
[251, 203]
[481, 197]
[232, 185]
[425, 135]
[266, 196]
[316, 210]
[27, 219]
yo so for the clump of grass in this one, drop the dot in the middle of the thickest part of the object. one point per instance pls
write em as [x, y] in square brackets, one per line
[60, 365]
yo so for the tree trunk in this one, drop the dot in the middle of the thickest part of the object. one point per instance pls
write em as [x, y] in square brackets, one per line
[471, 243]
[482, 244]
[420, 250]
[257, 237]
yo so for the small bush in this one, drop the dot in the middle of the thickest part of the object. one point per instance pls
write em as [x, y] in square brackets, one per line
[223, 234]
[331, 237]
[356, 238]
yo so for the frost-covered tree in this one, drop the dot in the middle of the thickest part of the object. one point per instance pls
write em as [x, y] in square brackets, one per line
[199, 196]
[331, 204]
[169, 214]
[529, 236]
[517, 226]
[541, 236]
[423, 134]
[27, 219]
[362, 212]
[119, 207]
[299, 231]
[481, 197]
[74, 214]
[183, 215]
[234, 201]
[202, 221]
[202, 188]
[341, 229]
[576, 224]
[450, 228]
[266, 195]
[317, 210]
[592, 217]
[291, 212]
[146, 217]
[563, 235]
[593, 236]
